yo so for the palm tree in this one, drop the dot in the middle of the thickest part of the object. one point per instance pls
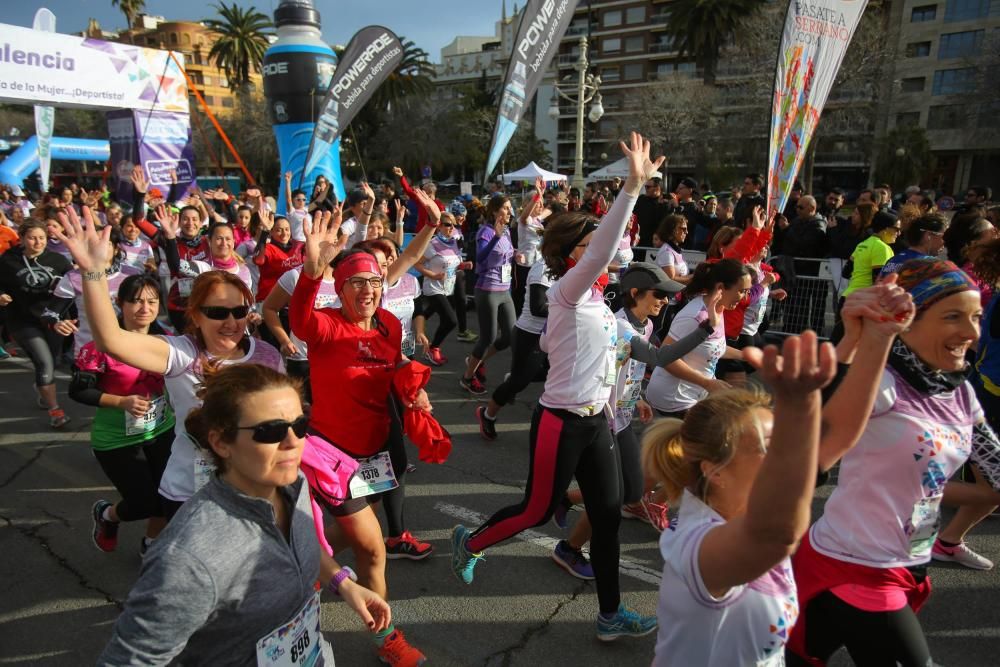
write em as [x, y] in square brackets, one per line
[131, 9]
[700, 28]
[242, 41]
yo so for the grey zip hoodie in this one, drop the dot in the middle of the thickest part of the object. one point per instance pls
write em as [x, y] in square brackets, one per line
[220, 577]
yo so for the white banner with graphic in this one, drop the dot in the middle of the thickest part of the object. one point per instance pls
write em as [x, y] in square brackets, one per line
[813, 43]
[45, 116]
[63, 70]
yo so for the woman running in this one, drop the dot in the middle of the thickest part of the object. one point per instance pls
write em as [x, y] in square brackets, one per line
[233, 579]
[218, 307]
[570, 430]
[28, 275]
[674, 389]
[862, 569]
[358, 345]
[494, 306]
[439, 267]
[133, 426]
[530, 225]
[464, 334]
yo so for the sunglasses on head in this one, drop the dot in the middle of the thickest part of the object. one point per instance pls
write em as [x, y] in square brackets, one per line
[221, 312]
[273, 431]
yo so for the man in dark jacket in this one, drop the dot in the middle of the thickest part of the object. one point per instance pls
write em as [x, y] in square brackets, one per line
[804, 238]
[650, 210]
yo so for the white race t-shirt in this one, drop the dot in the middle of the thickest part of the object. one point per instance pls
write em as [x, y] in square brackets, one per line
[528, 240]
[754, 314]
[667, 256]
[441, 257]
[138, 254]
[196, 267]
[623, 257]
[885, 509]
[246, 250]
[749, 625]
[630, 371]
[70, 286]
[296, 220]
[538, 275]
[399, 299]
[666, 392]
[182, 380]
[326, 298]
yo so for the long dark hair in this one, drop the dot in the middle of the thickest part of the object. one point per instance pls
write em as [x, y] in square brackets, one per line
[132, 288]
[709, 274]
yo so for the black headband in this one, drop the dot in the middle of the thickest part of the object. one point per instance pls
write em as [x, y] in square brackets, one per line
[588, 227]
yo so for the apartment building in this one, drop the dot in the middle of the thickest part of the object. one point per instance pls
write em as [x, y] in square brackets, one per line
[941, 82]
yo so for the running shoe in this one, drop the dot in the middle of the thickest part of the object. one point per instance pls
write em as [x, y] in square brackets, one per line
[480, 373]
[396, 651]
[105, 532]
[573, 561]
[473, 385]
[57, 418]
[467, 336]
[434, 357]
[487, 426]
[4, 354]
[653, 513]
[961, 554]
[406, 546]
[559, 516]
[144, 544]
[625, 623]
[462, 561]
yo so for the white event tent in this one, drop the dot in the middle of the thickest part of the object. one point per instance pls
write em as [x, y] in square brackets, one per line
[530, 173]
[618, 168]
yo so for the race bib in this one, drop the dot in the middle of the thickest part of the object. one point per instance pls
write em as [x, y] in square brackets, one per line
[409, 346]
[184, 286]
[630, 394]
[204, 468]
[324, 301]
[374, 475]
[449, 280]
[149, 421]
[297, 643]
[924, 524]
[505, 272]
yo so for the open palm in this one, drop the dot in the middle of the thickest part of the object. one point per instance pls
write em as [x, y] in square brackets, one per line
[322, 240]
[91, 250]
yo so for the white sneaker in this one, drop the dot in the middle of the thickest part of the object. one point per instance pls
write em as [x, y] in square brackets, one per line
[960, 554]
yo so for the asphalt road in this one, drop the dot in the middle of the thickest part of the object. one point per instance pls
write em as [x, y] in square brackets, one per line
[59, 595]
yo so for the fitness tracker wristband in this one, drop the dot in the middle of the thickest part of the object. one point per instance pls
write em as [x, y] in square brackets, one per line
[344, 573]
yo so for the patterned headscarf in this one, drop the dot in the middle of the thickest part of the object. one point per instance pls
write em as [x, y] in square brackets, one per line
[929, 280]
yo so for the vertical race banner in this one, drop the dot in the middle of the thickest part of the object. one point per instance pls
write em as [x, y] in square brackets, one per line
[371, 56]
[160, 141]
[543, 24]
[813, 43]
[45, 116]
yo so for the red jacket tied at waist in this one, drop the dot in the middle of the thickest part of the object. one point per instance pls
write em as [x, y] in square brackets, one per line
[432, 440]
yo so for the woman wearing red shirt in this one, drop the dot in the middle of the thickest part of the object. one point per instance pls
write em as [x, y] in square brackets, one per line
[276, 251]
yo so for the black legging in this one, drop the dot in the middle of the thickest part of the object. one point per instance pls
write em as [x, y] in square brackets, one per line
[526, 362]
[633, 481]
[565, 445]
[872, 638]
[519, 287]
[135, 472]
[42, 346]
[458, 301]
[393, 500]
[438, 303]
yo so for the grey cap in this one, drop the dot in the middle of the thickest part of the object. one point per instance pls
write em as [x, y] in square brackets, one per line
[644, 275]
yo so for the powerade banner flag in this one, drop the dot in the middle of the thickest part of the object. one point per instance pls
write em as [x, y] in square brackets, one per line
[542, 26]
[813, 44]
[372, 55]
[45, 116]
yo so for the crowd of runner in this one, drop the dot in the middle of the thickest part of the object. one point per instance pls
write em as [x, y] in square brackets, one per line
[256, 377]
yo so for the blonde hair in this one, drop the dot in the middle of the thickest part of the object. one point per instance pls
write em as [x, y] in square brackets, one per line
[673, 450]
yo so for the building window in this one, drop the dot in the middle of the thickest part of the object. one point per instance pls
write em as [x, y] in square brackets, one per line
[923, 13]
[186, 39]
[634, 44]
[954, 81]
[209, 100]
[918, 49]
[612, 18]
[908, 119]
[635, 15]
[913, 84]
[611, 45]
[610, 74]
[173, 38]
[664, 70]
[965, 10]
[946, 117]
[689, 68]
[633, 71]
[960, 44]
[227, 102]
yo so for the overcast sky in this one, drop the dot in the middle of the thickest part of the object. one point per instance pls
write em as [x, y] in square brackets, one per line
[431, 24]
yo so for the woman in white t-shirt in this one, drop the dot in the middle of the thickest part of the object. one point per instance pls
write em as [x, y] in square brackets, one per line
[672, 232]
[218, 307]
[530, 225]
[674, 389]
[439, 267]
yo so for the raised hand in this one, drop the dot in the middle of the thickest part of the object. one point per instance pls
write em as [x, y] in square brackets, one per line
[803, 366]
[882, 310]
[288, 177]
[714, 307]
[266, 216]
[433, 212]
[253, 193]
[539, 186]
[173, 176]
[323, 241]
[367, 189]
[90, 250]
[401, 212]
[759, 217]
[169, 221]
[397, 172]
[139, 181]
[640, 167]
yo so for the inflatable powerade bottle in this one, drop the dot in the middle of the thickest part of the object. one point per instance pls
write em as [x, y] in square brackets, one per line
[298, 69]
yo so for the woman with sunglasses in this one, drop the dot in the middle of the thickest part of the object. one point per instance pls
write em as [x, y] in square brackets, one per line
[296, 209]
[873, 253]
[133, 426]
[359, 346]
[570, 432]
[233, 579]
[439, 267]
[673, 231]
[216, 336]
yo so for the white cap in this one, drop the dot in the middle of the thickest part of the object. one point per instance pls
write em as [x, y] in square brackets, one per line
[16, 191]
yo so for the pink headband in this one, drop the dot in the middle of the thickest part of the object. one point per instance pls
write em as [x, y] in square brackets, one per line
[352, 265]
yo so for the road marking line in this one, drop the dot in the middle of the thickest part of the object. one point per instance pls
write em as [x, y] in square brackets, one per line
[627, 567]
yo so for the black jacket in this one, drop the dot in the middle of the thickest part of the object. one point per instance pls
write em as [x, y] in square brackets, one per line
[806, 237]
[29, 282]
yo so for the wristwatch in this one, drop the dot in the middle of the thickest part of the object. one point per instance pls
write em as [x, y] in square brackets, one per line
[344, 573]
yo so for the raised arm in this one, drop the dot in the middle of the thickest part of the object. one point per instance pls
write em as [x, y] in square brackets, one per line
[322, 245]
[644, 351]
[92, 253]
[418, 246]
[288, 192]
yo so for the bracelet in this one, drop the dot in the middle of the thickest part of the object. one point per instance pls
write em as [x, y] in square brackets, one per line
[93, 276]
[344, 573]
[368, 212]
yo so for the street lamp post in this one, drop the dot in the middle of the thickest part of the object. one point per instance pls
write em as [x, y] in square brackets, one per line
[587, 89]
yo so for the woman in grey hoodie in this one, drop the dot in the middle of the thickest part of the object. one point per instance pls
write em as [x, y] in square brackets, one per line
[233, 578]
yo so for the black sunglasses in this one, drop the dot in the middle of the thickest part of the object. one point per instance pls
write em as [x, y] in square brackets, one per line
[273, 431]
[660, 294]
[221, 312]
